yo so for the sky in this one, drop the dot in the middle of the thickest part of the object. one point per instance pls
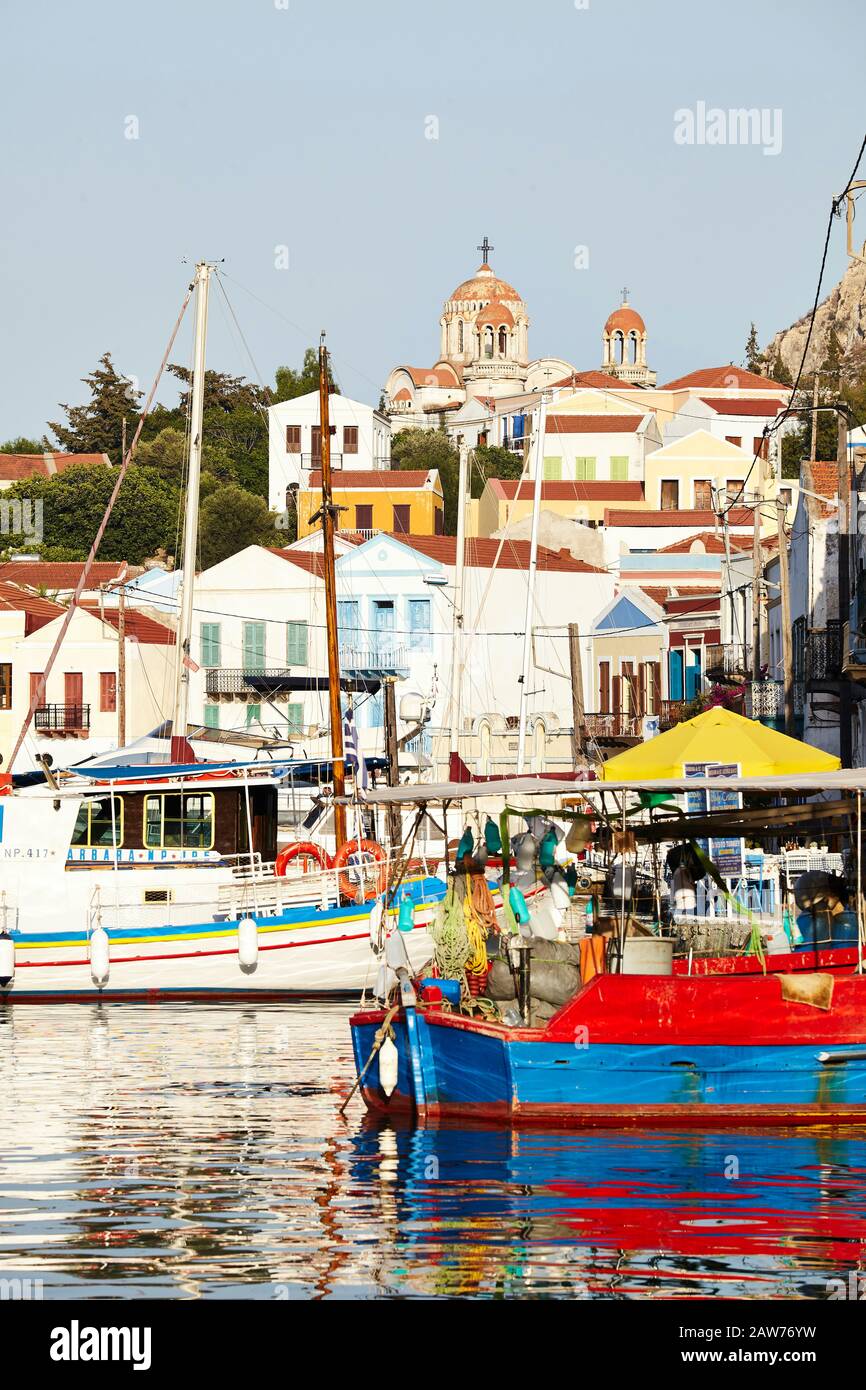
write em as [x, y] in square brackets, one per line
[343, 161]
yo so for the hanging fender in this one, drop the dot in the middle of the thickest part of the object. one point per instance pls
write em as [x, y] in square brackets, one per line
[305, 850]
[369, 851]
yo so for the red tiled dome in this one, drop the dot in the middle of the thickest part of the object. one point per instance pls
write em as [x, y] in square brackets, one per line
[626, 320]
[496, 313]
[486, 286]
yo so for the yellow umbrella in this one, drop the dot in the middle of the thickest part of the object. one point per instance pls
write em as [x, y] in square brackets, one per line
[717, 736]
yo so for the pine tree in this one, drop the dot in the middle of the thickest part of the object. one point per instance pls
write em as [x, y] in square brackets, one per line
[755, 360]
[97, 427]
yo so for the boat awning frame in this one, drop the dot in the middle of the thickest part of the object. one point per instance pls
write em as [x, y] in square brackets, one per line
[802, 784]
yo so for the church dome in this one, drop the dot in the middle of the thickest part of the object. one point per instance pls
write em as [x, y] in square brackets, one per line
[496, 313]
[484, 285]
[626, 320]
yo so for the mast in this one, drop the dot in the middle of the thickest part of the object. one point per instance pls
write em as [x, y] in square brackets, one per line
[328, 515]
[180, 749]
[530, 586]
[459, 607]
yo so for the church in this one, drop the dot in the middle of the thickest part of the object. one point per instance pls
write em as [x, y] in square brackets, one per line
[484, 354]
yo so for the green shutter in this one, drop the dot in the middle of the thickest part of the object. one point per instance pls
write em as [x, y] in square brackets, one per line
[295, 717]
[254, 714]
[211, 716]
[210, 644]
[584, 469]
[619, 468]
[296, 644]
[254, 646]
[553, 468]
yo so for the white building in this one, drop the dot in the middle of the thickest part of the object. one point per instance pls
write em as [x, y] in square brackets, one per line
[360, 439]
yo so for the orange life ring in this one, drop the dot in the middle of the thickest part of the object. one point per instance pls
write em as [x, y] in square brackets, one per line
[306, 849]
[372, 851]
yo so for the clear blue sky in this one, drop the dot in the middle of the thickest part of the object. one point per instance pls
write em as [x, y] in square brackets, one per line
[304, 126]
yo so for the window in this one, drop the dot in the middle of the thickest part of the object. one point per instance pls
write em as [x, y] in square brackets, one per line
[348, 622]
[364, 516]
[420, 637]
[584, 469]
[703, 494]
[6, 686]
[552, 468]
[604, 687]
[293, 439]
[350, 439]
[108, 692]
[295, 717]
[210, 644]
[254, 646]
[761, 446]
[35, 678]
[459, 335]
[316, 440]
[402, 522]
[734, 489]
[93, 825]
[735, 439]
[670, 495]
[253, 715]
[438, 522]
[179, 820]
[296, 643]
[211, 716]
[619, 468]
[785, 495]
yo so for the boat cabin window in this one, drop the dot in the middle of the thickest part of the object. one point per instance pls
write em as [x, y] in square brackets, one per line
[93, 826]
[179, 820]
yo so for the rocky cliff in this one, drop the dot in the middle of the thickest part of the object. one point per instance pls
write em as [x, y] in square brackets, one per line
[844, 309]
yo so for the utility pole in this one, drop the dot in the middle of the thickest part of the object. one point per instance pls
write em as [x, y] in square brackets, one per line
[844, 543]
[459, 607]
[577, 713]
[814, 444]
[757, 578]
[395, 823]
[787, 647]
[327, 514]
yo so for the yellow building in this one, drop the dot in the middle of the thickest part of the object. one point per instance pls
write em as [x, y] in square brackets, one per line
[690, 473]
[386, 499]
[505, 502]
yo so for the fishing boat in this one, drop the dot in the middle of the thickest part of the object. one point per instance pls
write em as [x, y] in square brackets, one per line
[163, 879]
[779, 1042]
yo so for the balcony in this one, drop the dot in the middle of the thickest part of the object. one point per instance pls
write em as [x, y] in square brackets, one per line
[823, 654]
[610, 728]
[728, 662]
[670, 713]
[252, 684]
[62, 721]
[309, 462]
[374, 661]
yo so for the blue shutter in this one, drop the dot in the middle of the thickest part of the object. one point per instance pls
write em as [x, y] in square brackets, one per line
[419, 625]
[296, 644]
[675, 673]
[348, 623]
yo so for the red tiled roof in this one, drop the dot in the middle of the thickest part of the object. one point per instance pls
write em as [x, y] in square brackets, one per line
[738, 516]
[730, 376]
[16, 466]
[309, 560]
[728, 405]
[626, 319]
[37, 610]
[139, 626]
[825, 479]
[481, 553]
[60, 576]
[594, 424]
[602, 381]
[556, 490]
[674, 591]
[713, 544]
[391, 479]
[444, 375]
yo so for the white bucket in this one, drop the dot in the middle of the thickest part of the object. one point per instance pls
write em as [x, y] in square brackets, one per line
[648, 955]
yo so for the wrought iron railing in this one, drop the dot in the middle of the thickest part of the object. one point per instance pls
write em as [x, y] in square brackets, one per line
[824, 652]
[251, 684]
[731, 659]
[765, 699]
[620, 725]
[62, 718]
[670, 713]
[385, 659]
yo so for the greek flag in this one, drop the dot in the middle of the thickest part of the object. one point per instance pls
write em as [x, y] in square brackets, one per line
[354, 757]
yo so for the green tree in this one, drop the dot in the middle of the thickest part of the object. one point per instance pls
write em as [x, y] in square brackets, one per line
[231, 519]
[755, 360]
[97, 427]
[424, 449]
[492, 461]
[291, 383]
[22, 445]
[73, 503]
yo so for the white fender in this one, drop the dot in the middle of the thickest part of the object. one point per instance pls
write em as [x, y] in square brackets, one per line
[377, 912]
[389, 1061]
[248, 944]
[100, 957]
[7, 959]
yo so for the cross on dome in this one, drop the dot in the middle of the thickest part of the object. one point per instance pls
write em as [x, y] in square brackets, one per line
[485, 248]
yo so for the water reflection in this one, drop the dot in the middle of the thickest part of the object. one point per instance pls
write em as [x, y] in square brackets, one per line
[186, 1151]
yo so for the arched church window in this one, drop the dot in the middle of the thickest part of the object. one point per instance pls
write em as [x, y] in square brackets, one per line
[503, 341]
[632, 347]
[488, 341]
[459, 335]
[618, 349]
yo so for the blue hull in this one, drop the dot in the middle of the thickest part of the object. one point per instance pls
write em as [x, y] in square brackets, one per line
[470, 1073]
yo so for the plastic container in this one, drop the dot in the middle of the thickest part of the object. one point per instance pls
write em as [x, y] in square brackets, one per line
[648, 955]
[406, 914]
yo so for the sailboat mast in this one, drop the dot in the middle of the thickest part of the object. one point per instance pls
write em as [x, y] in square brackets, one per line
[328, 514]
[530, 585]
[457, 645]
[180, 749]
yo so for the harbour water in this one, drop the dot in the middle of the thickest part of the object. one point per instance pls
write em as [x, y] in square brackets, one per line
[182, 1152]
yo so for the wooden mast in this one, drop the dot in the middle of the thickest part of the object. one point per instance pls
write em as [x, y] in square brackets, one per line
[328, 515]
